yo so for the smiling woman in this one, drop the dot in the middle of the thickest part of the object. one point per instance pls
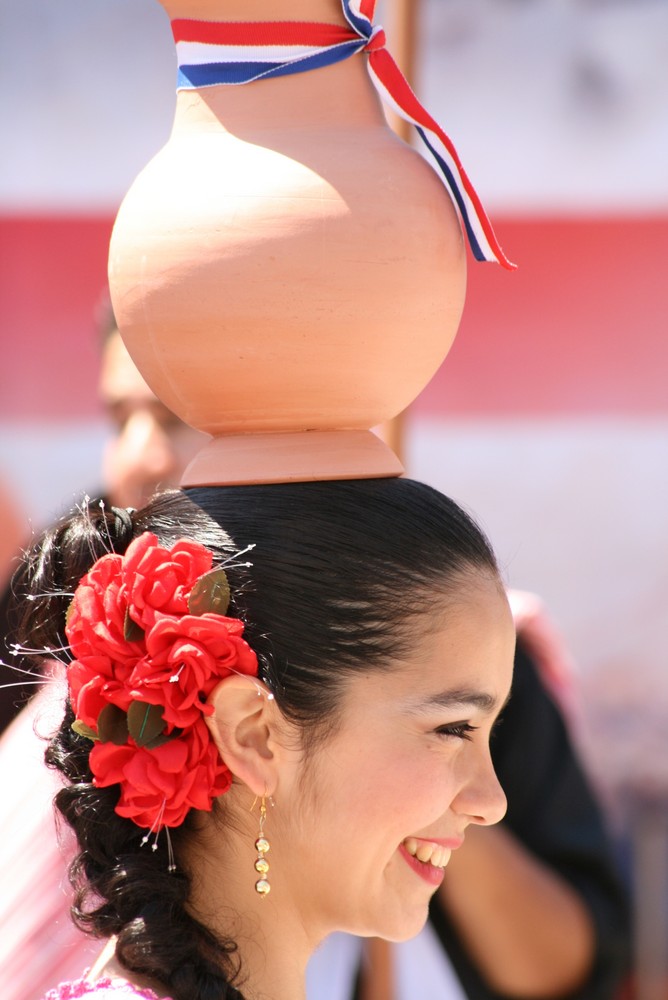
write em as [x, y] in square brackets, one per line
[258, 755]
[408, 769]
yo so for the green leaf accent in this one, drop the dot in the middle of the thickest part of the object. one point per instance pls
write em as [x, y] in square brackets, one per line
[82, 729]
[163, 738]
[211, 593]
[145, 723]
[112, 725]
[131, 631]
[68, 613]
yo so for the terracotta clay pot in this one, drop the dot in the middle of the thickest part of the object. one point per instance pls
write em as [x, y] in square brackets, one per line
[286, 264]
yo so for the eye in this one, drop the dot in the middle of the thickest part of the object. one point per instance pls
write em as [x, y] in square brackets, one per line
[460, 730]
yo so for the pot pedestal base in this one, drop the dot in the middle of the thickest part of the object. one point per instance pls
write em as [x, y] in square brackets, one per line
[307, 456]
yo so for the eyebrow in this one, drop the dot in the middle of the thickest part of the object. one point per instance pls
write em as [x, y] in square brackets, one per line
[458, 698]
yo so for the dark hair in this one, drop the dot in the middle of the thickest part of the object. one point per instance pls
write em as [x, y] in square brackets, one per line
[341, 574]
[105, 320]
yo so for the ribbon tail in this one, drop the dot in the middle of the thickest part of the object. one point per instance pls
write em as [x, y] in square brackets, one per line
[397, 94]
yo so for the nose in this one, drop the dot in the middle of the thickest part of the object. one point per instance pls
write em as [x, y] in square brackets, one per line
[481, 798]
[147, 447]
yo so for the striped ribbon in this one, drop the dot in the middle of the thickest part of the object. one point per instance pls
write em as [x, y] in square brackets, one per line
[235, 52]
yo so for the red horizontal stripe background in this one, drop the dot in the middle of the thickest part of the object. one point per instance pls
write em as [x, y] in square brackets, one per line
[580, 328]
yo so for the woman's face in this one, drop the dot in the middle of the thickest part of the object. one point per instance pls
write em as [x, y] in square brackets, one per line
[406, 772]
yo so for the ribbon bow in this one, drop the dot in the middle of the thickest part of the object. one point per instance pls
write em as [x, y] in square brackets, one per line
[237, 52]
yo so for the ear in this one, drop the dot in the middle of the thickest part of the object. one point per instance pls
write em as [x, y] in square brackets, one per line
[245, 726]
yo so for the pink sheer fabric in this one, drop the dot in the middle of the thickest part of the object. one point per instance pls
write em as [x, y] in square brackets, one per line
[39, 944]
[101, 989]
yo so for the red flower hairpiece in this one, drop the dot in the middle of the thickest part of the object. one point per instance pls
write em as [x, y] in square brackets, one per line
[150, 640]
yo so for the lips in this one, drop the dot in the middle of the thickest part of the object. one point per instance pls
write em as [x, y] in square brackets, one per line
[428, 851]
[428, 858]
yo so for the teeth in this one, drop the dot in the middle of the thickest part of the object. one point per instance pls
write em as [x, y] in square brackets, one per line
[428, 853]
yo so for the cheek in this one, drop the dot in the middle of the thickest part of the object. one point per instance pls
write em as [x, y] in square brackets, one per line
[423, 791]
[347, 796]
[111, 464]
[395, 794]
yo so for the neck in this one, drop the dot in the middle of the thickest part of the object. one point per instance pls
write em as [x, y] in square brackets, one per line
[273, 945]
[273, 967]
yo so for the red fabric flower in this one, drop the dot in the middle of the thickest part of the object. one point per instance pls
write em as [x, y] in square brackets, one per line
[96, 621]
[173, 661]
[90, 693]
[159, 787]
[158, 580]
[185, 659]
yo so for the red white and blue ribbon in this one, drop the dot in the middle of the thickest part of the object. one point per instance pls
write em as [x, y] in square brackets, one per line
[235, 52]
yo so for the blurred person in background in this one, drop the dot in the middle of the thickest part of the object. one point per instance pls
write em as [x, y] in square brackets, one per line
[148, 450]
[150, 446]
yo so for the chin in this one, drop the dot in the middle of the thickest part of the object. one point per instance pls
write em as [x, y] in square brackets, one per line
[405, 926]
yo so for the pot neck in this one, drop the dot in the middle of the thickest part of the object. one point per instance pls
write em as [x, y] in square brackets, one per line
[336, 96]
[225, 65]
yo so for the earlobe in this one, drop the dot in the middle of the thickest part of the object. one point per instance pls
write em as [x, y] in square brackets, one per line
[243, 726]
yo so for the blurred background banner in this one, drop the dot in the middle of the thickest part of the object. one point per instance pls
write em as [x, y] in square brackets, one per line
[549, 418]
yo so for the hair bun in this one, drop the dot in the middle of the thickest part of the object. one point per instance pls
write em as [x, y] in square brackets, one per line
[123, 526]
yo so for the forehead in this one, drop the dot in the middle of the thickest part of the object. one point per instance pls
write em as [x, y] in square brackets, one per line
[462, 646]
[470, 631]
[120, 378]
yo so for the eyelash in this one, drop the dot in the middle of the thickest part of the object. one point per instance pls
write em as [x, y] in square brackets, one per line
[461, 730]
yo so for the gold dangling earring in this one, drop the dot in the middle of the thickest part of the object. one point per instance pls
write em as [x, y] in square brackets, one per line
[262, 847]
